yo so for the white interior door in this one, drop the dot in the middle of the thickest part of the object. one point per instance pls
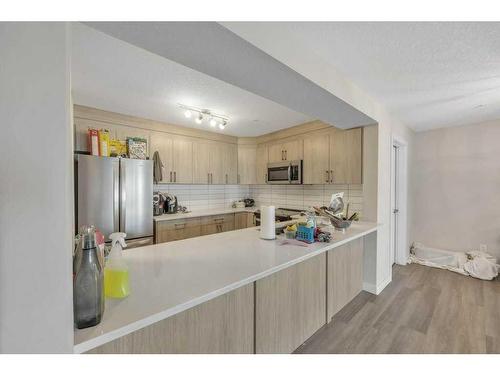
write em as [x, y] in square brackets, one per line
[399, 175]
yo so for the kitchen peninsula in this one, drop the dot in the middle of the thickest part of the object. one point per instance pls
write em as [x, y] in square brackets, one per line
[229, 292]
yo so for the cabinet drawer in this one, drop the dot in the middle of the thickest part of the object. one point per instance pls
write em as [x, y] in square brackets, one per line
[179, 224]
[217, 219]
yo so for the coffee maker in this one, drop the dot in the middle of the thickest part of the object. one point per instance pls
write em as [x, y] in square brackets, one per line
[158, 203]
[170, 206]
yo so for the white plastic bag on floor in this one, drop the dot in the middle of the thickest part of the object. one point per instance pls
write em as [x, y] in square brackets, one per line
[481, 265]
[475, 263]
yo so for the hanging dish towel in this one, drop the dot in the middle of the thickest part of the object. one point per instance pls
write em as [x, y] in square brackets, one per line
[157, 168]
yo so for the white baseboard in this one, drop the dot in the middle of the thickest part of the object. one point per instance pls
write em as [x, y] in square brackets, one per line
[376, 289]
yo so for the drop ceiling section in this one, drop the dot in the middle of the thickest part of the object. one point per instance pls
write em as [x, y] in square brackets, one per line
[113, 75]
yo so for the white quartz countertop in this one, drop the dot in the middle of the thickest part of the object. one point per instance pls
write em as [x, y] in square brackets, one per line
[168, 278]
[201, 213]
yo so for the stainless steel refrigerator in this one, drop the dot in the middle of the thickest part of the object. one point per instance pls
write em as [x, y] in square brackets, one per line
[115, 195]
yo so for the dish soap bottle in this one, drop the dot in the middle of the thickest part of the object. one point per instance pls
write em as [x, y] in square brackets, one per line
[88, 283]
[116, 281]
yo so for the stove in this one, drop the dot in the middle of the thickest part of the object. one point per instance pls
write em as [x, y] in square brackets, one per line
[280, 214]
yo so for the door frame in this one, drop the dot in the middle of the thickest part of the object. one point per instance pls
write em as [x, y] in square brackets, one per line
[399, 251]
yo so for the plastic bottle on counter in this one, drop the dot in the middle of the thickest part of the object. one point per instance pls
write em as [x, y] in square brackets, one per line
[88, 283]
[116, 276]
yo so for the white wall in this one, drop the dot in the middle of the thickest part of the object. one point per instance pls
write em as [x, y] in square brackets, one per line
[325, 75]
[457, 187]
[36, 210]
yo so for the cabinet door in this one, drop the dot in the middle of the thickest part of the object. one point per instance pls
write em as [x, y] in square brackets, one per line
[316, 159]
[230, 164]
[247, 164]
[276, 153]
[240, 220]
[345, 275]
[201, 163]
[261, 168]
[162, 143]
[216, 165]
[182, 160]
[293, 150]
[346, 156]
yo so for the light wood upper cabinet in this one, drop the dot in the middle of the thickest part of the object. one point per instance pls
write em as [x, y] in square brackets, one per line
[285, 151]
[216, 164]
[176, 154]
[124, 132]
[182, 160]
[212, 161]
[230, 164]
[276, 153]
[261, 168]
[293, 150]
[247, 164]
[316, 159]
[346, 156]
[201, 163]
[162, 142]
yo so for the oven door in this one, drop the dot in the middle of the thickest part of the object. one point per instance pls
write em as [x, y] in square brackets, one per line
[285, 173]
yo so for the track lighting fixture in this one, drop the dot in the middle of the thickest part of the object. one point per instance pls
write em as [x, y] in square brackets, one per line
[201, 113]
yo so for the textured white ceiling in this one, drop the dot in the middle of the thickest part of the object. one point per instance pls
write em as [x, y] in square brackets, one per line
[116, 76]
[429, 75]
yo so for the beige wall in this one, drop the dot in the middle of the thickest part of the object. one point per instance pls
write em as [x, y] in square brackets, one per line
[456, 190]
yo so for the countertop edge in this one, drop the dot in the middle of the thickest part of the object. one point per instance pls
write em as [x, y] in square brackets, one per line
[142, 323]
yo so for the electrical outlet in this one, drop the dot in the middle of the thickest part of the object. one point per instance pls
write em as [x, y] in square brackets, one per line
[483, 247]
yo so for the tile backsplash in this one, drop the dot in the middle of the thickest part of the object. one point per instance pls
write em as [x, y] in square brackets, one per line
[200, 197]
[305, 196]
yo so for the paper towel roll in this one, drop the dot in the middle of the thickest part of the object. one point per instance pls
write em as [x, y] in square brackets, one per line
[267, 227]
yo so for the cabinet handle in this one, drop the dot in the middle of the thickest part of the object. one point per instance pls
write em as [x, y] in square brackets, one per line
[208, 178]
[175, 176]
[226, 178]
[238, 179]
[286, 154]
[327, 177]
[211, 178]
[265, 178]
[170, 176]
[282, 155]
[331, 176]
[180, 226]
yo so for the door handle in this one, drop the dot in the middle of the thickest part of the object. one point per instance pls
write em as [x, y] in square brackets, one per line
[327, 176]
[395, 211]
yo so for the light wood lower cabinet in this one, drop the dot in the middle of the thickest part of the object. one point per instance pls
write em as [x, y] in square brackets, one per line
[222, 325]
[290, 306]
[345, 275]
[174, 230]
[217, 224]
[244, 220]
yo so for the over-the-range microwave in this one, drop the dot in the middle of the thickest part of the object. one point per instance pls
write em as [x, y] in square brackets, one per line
[285, 173]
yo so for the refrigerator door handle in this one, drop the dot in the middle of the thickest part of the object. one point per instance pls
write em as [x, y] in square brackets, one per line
[123, 199]
[116, 197]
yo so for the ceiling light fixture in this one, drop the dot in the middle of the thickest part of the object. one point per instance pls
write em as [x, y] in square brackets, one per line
[200, 114]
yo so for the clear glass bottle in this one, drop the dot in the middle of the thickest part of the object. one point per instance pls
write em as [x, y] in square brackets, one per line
[88, 285]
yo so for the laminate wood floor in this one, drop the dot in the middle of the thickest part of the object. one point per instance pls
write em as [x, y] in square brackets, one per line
[423, 310]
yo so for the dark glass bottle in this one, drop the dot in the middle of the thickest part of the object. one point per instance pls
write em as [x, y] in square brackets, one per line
[88, 285]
